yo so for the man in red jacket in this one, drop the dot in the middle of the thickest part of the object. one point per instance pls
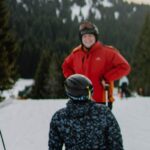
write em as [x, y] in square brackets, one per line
[100, 63]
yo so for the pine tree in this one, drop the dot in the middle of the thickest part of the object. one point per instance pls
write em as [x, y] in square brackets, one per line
[48, 77]
[8, 49]
[56, 80]
[141, 71]
[41, 89]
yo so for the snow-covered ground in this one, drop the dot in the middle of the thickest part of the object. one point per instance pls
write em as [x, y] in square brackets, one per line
[25, 123]
[19, 86]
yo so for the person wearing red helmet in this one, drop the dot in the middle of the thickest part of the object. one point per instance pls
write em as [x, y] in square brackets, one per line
[100, 63]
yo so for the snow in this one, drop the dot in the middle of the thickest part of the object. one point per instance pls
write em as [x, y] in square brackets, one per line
[139, 1]
[83, 12]
[78, 11]
[106, 3]
[116, 15]
[57, 12]
[133, 115]
[19, 86]
[25, 123]
[75, 11]
[97, 13]
[19, 1]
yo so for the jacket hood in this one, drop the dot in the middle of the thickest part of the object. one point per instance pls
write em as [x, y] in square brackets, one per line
[78, 109]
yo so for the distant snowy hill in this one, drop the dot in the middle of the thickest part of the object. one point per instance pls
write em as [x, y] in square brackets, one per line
[82, 10]
[79, 11]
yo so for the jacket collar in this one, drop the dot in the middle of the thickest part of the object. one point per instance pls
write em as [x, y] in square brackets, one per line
[97, 45]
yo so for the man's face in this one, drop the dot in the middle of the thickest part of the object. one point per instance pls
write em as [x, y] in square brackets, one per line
[88, 40]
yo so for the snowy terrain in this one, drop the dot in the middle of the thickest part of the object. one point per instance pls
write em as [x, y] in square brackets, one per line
[25, 123]
[139, 1]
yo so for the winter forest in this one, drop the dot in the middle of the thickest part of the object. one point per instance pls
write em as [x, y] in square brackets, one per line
[36, 36]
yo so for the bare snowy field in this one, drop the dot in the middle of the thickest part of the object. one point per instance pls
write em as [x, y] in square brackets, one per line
[25, 123]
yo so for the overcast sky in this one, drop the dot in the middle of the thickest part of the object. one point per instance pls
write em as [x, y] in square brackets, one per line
[139, 1]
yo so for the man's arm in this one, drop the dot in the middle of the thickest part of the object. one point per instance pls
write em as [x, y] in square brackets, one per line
[67, 66]
[55, 142]
[117, 66]
[113, 133]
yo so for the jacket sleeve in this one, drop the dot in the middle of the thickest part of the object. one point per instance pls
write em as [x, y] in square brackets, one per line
[117, 66]
[55, 142]
[113, 132]
[67, 66]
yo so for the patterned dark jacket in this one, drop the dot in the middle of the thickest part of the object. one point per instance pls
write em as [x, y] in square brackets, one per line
[84, 126]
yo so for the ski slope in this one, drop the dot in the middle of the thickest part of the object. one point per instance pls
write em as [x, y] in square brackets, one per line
[25, 123]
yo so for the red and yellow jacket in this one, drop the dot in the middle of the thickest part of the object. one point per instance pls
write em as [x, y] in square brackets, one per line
[100, 62]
